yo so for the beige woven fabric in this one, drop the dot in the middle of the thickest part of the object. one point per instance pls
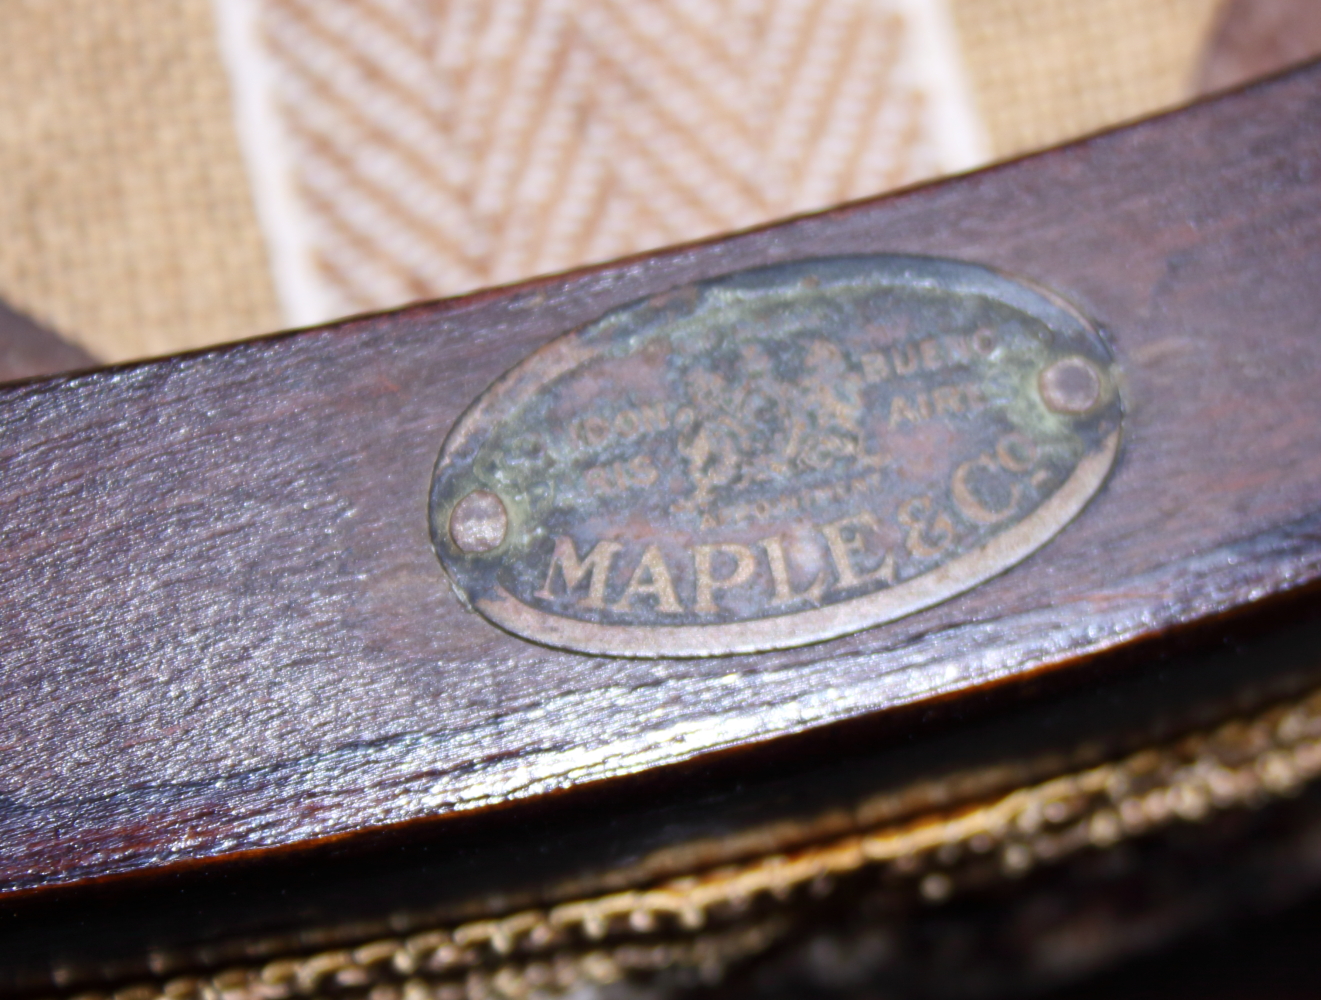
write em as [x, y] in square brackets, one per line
[126, 220]
[129, 215]
[1049, 70]
[442, 146]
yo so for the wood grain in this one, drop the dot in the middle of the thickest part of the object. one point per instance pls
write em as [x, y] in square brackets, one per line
[225, 630]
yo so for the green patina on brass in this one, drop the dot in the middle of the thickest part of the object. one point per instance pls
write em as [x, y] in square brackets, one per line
[776, 457]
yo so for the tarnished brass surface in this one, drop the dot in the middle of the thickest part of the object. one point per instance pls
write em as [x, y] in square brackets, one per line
[774, 458]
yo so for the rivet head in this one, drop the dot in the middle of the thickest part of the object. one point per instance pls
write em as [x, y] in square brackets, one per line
[479, 522]
[1071, 385]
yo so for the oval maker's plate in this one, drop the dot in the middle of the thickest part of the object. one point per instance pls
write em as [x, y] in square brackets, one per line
[774, 458]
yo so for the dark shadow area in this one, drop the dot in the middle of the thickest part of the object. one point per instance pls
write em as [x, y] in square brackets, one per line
[29, 350]
[1262, 959]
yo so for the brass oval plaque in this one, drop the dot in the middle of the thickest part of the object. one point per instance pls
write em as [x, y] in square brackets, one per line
[774, 458]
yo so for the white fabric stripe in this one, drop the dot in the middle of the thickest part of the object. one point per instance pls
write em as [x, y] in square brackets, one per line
[417, 193]
[455, 143]
[934, 58]
[303, 296]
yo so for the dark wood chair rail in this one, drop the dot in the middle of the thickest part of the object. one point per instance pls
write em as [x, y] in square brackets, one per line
[224, 628]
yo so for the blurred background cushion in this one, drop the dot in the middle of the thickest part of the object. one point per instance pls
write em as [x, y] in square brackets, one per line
[183, 172]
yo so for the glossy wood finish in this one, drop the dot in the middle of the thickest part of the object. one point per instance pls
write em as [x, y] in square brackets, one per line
[224, 629]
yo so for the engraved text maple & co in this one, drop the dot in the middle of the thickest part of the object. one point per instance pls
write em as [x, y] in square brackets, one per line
[774, 458]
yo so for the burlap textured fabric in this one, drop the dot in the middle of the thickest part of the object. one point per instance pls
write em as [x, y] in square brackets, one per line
[528, 135]
[126, 221]
[1048, 70]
